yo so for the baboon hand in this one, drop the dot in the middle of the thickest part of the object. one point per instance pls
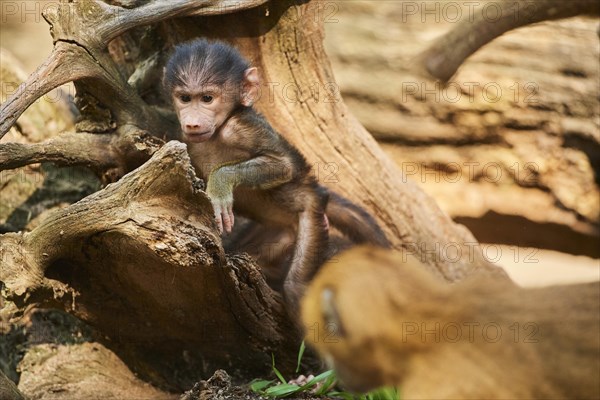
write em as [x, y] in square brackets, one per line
[224, 213]
[220, 193]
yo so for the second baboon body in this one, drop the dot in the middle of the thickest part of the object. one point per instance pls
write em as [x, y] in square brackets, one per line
[381, 319]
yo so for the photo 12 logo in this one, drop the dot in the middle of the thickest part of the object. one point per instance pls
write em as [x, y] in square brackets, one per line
[471, 11]
[469, 331]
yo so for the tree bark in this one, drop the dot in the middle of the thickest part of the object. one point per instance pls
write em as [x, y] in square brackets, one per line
[81, 371]
[8, 390]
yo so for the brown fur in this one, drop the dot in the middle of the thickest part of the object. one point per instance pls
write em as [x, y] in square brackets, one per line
[365, 313]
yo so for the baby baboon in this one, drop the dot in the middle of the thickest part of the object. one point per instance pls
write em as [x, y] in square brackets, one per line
[249, 168]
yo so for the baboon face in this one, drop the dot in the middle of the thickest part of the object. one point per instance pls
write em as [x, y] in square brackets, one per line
[207, 81]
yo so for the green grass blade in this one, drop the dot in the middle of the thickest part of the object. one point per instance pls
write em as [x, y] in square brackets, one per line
[300, 354]
[385, 393]
[345, 396]
[285, 389]
[257, 385]
[317, 379]
[327, 385]
[279, 376]
[323, 375]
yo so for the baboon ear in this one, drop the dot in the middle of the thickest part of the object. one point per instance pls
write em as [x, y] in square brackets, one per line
[250, 87]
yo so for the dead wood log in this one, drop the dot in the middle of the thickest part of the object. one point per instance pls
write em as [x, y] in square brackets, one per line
[141, 260]
[8, 390]
[109, 156]
[81, 371]
[442, 59]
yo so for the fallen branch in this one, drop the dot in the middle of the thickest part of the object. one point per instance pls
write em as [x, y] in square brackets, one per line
[447, 54]
[109, 156]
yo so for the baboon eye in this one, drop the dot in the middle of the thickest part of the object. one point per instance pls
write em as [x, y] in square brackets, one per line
[185, 98]
[207, 98]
